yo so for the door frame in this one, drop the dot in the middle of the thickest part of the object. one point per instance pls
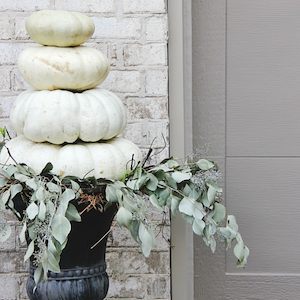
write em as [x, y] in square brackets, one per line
[180, 113]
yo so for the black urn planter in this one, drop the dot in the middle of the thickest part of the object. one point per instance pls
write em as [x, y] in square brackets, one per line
[83, 270]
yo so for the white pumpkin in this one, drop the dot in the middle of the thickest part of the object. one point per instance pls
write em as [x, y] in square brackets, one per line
[51, 68]
[108, 159]
[61, 116]
[59, 28]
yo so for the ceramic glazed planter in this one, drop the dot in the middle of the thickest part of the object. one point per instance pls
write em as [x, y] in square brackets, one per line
[83, 270]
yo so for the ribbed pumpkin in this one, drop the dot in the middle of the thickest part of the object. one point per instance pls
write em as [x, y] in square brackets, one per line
[61, 116]
[108, 159]
[51, 68]
[59, 28]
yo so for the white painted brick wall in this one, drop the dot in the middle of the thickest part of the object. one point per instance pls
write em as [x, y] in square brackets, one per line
[133, 34]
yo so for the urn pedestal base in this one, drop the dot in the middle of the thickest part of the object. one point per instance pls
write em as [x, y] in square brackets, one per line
[83, 270]
[90, 283]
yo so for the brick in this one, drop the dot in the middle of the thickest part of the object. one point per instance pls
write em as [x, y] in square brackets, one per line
[130, 262]
[23, 292]
[17, 81]
[9, 287]
[144, 6]
[157, 29]
[158, 287]
[6, 103]
[5, 75]
[6, 26]
[20, 30]
[123, 81]
[130, 287]
[25, 5]
[87, 6]
[127, 28]
[150, 54]
[10, 52]
[148, 133]
[157, 81]
[147, 108]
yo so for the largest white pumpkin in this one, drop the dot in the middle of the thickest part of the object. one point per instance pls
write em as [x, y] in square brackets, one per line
[51, 68]
[62, 116]
[108, 159]
[59, 28]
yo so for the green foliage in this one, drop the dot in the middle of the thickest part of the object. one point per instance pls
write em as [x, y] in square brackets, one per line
[190, 189]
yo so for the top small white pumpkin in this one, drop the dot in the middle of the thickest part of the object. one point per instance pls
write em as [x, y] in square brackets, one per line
[59, 28]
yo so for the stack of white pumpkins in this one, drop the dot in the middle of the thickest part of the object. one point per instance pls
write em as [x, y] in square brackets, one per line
[65, 119]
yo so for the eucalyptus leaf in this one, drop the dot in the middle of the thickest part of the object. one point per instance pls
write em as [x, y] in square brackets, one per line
[21, 169]
[205, 165]
[11, 169]
[145, 239]
[21, 177]
[231, 222]
[211, 194]
[186, 206]
[155, 203]
[52, 187]
[72, 213]
[32, 210]
[129, 204]
[163, 196]
[110, 193]
[213, 244]
[3, 181]
[29, 251]
[152, 182]
[198, 226]
[172, 164]
[38, 275]
[4, 197]
[53, 262]
[142, 181]
[175, 205]
[134, 229]
[171, 182]
[42, 211]
[238, 251]
[15, 189]
[219, 213]
[199, 211]
[40, 193]
[187, 190]
[76, 188]
[194, 194]
[180, 176]
[61, 227]
[32, 183]
[187, 218]
[47, 169]
[124, 217]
